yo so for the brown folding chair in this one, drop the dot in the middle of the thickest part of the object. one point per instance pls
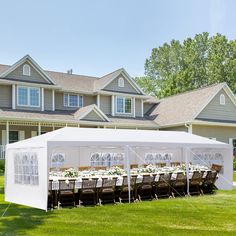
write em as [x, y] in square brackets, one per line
[132, 166]
[88, 192]
[107, 191]
[50, 195]
[100, 167]
[162, 186]
[173, 164]
[216, 168]
[145, 188]
[66, 193]
[160, 165]
[81, 168]
[179, 185]
[124, 190]
[208, 183]
[194, 183]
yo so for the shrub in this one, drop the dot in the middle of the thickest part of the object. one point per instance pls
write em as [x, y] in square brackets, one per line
[2, 165]
[234, 165]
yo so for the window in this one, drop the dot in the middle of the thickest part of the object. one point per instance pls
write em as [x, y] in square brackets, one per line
[13, 136]
[26, 70]
[26, 168]
[222, 99]
[121, 82]
[123, 105]
[154, 158]
[106, 159]
[73, 100]
[27, 96]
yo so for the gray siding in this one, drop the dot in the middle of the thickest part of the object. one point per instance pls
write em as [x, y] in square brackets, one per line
[138, 109]
[128, 88]
[219, 112]
[59, 101]
[89, 100]
[221, 133]
[105, 104]
[47, 100]
[92, 116]
[5, 96]
[35, 77]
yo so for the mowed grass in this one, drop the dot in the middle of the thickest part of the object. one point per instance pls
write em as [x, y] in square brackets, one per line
[234, 177]
[208, 215]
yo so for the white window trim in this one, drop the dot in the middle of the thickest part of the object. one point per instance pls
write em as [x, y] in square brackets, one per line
[68, 102]
[126, 113]
[222, 99]
[24, 70]
[28, 101]
[121, 82]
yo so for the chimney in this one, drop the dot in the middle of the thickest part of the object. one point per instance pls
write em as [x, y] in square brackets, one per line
[69, 72]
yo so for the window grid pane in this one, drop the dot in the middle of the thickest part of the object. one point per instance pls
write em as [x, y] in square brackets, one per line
[127, 105]
[81, 101]
[119, 105]
[34, 97]
[23, 96]
[73, 100]
[66, 100]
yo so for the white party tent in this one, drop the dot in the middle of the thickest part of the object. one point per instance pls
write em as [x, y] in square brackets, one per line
[28, 162]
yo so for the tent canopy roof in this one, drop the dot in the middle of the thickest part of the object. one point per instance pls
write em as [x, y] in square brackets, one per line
[87, 136]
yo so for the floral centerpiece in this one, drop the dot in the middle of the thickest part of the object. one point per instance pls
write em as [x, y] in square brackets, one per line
[71, 172]
[116, 171]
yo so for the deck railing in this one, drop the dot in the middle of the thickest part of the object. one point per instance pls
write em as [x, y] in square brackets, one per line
[2, 151]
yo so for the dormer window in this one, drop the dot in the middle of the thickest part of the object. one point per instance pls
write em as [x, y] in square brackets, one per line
[73, 100]
[26, 70]
[121, 82]
[222, 99]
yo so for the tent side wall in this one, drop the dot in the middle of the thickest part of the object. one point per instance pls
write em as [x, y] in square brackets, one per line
[26, 176]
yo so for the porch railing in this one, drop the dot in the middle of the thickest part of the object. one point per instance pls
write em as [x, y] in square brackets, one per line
[2, 151]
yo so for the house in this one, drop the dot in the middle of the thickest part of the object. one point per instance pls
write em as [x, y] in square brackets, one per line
[208, 112]
[34, 101]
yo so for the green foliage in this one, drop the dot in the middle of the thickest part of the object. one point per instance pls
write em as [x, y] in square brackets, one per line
[234, 164]
[177, 67]
[2, 166]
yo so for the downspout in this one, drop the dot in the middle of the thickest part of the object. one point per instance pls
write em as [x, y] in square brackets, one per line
[189, 127]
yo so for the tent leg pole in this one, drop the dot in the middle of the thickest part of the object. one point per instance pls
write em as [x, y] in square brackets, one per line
[185, 152]
[128, 168]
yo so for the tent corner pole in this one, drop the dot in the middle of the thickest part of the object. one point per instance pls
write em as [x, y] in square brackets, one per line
[186, 158]
[128, 168]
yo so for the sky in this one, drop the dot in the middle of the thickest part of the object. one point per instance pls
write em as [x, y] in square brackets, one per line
[96, 37]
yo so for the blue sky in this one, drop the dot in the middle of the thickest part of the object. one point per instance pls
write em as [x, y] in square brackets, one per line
[97, 37]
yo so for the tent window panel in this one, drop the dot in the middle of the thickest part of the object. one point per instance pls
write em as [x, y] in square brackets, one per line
[154, 158]
[106, 159]
[26, 168]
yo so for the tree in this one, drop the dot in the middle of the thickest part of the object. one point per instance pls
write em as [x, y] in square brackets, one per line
[196, 62]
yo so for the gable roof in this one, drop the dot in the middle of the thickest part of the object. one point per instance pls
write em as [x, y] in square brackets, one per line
[82, 112]
[33, 63]
[107, 79]
[185, 107]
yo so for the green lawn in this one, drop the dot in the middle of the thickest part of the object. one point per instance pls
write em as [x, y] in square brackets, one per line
[208, 215]
[234, 176]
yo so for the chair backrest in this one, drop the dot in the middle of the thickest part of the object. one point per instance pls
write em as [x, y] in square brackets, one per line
[164, 180]
[50, 185]
[64, 168]
[180, 179]
[89, 184]
[109, 183]
[160, 164]
[210, 177]
[175, 164]
[216, 168]
[133, 179]
[132, 166]
[196, 178]
[81, 168]
[99, 167]
[66, 185]
[148, 179]
[120, 166]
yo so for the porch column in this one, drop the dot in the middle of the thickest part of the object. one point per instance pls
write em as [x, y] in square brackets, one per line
[7, 132]
[53, 100]
[39, 129]
[112, 105]
[13, 96]
[98, 101]
[42, 108]
[141, 107]
[134, 107]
